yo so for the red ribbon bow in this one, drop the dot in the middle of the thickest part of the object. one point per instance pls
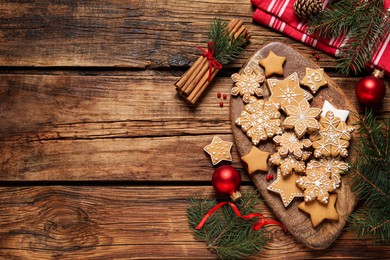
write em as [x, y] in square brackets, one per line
[255, 227]
[209, 54]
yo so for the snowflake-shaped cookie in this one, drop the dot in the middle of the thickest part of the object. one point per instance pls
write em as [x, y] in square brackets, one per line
[302, 118]
[247, 84]
[316, 184]
[260, 120]
[289, 164]
[287, 92]
[332, 138]
[333, 166]
[290, 144]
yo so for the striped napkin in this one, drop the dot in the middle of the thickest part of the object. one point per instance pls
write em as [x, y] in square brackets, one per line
[280, 16]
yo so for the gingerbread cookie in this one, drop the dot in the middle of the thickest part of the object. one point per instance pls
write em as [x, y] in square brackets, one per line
[255, 160]
[219, 150]
[314, 79]
[286, 187]
[302, 118]
[287, 92]
[342, 114]
[319, 211]
[316, 184]
[289, 164]
[260, 120]
[333, 166]
[247, 84]
[332, 138]
[273, 64]
[289, 144]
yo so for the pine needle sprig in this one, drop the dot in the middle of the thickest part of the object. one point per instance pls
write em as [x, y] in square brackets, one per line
[364, 24]
[371, 179]
[225, 234]
[226, 48]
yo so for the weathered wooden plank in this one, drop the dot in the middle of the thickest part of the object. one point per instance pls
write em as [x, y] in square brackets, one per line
[131, 34]
[176, 158]
[123, 222]
[138, 104]
[65, 127]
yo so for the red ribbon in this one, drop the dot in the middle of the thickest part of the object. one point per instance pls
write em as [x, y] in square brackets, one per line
[255, 227]
[209, 54]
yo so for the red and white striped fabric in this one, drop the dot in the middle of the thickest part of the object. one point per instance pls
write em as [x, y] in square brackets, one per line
[280, 16]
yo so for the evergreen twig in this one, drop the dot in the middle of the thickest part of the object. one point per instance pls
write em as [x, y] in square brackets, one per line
[371, 179]
[363, 23]
[225, 234]
[227, 48]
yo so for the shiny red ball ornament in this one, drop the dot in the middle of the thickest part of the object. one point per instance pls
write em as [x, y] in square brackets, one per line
[226, 181]
[371, 90]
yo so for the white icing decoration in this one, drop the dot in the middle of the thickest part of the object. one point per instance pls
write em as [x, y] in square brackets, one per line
[342, 114]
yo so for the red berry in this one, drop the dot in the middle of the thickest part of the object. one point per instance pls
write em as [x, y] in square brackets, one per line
[269, 177]
[221, 104]
[313, 52]
[219, 94]
[318, 57]
[224, 96]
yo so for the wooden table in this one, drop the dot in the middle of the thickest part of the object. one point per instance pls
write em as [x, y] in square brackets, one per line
[98, 153]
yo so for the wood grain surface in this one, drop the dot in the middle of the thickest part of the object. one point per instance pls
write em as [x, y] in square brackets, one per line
[297, 222]
[97, 152]
[148, 222]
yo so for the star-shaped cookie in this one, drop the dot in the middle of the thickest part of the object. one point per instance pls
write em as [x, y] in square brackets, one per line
[286, 187]
[333, 137]
[273, 64]
[314, 79]
[255, 160]
[319, 212]
[342, 114]
[219, 150]
[287, 92]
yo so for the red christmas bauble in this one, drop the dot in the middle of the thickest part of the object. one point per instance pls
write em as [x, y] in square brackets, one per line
[370, 90]
[226, 180]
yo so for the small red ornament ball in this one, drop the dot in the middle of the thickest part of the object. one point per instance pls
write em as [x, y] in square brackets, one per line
[370, 90]
[226, 180]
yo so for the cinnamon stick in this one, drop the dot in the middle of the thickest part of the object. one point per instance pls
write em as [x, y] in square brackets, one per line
[194, 74]
[180, 83]
[195, 80]
[199, 84]
[204, 70]
[203, 88]
[236, 27]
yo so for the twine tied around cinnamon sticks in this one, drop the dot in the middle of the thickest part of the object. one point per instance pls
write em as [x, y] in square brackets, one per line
[198, 77]
[209, 54]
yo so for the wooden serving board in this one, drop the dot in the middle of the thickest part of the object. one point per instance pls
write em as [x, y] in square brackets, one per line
[297, 222]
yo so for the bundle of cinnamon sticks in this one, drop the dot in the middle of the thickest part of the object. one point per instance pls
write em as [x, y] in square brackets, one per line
[196, 79]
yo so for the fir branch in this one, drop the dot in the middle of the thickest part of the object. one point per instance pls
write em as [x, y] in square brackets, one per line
[371, 179]
[364, 24]
[226, 49]
[333, 21]
[225, 234]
